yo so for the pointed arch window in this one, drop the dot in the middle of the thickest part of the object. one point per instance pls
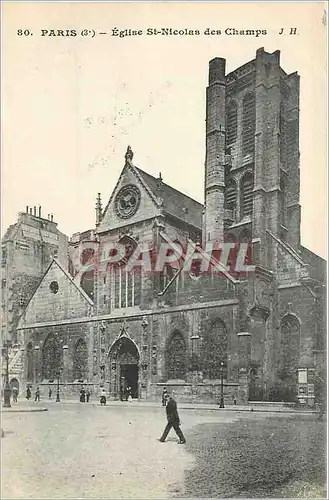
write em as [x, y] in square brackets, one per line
[247, 185]
[290, 341]
[127, 285]
[80, 360]
[51, 357]
[230, 194]
[231, 123]
[176, 357]
[215, 345]
[248, 124]
[290, 347]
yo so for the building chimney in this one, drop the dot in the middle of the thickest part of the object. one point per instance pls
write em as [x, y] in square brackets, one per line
[31, 211]
[52, 218]
[48, 216]
[27, 209]
[39, 211]
[34, 211]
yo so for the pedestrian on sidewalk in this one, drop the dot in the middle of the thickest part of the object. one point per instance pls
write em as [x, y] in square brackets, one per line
[102, 397]
[128, 393]
[234, 400]
[82, 395]
[173, 420]
[88, 394]
[15, 394]
[49, 393]
[28, 393]
[37, 394]
[164, 393]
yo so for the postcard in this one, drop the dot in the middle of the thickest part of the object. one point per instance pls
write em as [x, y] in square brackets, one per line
[163, 262]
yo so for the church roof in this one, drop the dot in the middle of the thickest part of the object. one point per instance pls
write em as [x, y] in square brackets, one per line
[317, 265]
[175, 203]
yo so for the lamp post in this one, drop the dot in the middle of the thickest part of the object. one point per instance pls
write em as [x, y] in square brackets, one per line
[221, 404]
[57, 394]
[143, 376]
[7, 390]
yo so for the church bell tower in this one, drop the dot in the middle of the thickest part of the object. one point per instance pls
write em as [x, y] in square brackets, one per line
[215, 153]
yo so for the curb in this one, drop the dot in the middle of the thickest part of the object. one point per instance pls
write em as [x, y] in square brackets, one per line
[31, 410]
[111, 404]
[254, 410]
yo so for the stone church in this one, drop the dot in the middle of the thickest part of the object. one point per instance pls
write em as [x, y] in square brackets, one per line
[256, 337]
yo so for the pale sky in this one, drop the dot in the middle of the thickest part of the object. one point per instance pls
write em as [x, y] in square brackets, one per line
[72, 105]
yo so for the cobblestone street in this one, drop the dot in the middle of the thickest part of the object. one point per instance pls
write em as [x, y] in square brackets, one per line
[82, 451]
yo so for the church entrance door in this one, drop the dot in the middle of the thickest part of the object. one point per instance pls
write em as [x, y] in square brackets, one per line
[129, 374]
[124, 368]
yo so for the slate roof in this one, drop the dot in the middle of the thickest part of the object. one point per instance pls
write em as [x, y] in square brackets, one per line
[317, 265]
[175, 203]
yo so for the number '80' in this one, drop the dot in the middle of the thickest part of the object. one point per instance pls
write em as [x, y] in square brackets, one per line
[23, 32]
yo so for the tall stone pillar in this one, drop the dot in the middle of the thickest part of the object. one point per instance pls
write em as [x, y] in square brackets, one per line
[244, 354]
[144, 364]
[66, 364]
[37, 365]
[102, 354]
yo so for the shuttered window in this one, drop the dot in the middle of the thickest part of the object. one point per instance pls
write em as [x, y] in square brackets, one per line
[231, 123]
[246, 194]
[249, 124]
[230, 194]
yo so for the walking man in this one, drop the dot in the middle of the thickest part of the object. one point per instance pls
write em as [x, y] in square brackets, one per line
[173, 420]
[37, 394]
[164, 393]
[15, 394]
[28, 393]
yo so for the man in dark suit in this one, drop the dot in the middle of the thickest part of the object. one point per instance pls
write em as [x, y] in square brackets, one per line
[173, 420]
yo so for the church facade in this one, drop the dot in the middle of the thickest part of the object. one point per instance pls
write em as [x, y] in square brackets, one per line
[255, 336]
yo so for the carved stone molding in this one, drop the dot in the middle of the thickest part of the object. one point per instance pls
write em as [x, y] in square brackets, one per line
[258, 311]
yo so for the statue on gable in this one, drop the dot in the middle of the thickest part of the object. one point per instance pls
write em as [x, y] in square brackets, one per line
[129, 155]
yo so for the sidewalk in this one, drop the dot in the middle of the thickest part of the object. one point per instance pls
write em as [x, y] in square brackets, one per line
[46, 404]
[23, 406]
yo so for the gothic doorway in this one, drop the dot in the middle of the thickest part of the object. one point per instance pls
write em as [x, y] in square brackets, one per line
[129, 377]
[124, 368]
[14, 383]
